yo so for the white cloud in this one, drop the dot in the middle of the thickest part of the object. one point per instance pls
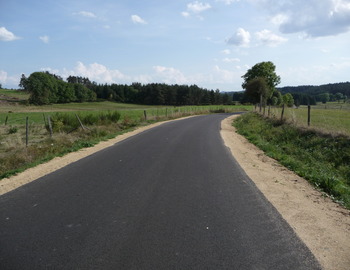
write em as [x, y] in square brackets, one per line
[45, 39]
[137, 19]
[3, 76]
[270, 39]
[224, 76]
[195, 8]
[240, 38]
[231, 60]
[6, 35]
[87, 14]
[198, 7]
[170, 75]
[227, 51]
[99, 73]
[227, 2]
[315, 18]
[10, 81]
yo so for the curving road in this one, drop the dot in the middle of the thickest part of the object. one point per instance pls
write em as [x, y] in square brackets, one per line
[171, 197]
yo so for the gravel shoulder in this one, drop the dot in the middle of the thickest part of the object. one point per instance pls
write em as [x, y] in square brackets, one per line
[323, 225]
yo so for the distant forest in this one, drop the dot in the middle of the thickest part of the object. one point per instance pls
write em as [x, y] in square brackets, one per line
[308, 94]
[47, 88]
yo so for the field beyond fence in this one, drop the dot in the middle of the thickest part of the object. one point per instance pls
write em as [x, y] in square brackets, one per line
[332, 118]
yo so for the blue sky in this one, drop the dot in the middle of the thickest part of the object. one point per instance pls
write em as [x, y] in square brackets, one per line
[209, 43]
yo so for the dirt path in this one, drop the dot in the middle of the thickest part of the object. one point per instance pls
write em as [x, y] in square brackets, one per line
[323, 225]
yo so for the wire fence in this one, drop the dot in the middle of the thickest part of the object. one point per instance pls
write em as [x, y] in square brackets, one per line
[332, 118]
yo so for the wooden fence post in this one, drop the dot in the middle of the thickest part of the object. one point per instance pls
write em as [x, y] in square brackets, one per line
[308, 115]
[145, 114]
[50, 126]
[7, 117]
[44, 120]
[282, 112]
[81, 124]
[27, 131]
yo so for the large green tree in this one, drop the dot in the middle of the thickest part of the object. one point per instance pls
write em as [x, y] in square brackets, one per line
[257, 90]
[265, 70]
[43, 88]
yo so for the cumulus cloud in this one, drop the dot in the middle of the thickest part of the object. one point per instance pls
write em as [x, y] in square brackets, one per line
[315, 18]
[227, 2]
[240, 38]
[225, 76]
[195, 8]
[6, 35]
[10, 81]
[99, 73]
[270, 39]
[170, 75]
[87, 14]
[231, 60]
[137, 19]
[226, 51]
[45, 39]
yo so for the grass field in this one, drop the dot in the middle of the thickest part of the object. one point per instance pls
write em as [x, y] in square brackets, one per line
[331, 118]
[6, 93]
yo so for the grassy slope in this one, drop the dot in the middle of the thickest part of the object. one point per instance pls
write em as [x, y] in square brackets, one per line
[322, 159]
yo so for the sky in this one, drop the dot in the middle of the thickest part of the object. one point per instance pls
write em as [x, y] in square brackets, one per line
[208, 43]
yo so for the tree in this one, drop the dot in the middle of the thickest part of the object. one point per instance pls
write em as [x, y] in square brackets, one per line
[339, 96]
[0, 86]
[264, 70]
[257, 90]
[288, 100]
[23, 82]
[43, 88]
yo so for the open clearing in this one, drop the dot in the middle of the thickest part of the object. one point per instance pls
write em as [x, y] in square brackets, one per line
[323, 225]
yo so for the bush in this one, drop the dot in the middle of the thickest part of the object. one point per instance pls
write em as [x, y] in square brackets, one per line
[12, 130]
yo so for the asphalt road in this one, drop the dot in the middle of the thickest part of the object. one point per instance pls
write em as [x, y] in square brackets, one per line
[171, 197]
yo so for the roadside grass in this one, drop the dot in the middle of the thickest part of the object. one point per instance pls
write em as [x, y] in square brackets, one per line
[103, 120]
[330, 118]
[322, 159]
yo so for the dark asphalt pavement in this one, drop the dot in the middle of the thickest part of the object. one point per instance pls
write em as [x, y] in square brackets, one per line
[171, 197]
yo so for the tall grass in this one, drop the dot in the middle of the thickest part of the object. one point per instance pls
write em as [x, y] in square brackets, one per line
[321, 158]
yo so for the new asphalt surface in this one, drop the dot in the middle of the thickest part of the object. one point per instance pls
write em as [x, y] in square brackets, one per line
[171, 197]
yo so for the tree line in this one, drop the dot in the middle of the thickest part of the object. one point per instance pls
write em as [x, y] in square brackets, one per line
[47, 88]
[260, 87]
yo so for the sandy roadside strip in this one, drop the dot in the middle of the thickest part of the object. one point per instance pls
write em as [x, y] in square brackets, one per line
[323, 225]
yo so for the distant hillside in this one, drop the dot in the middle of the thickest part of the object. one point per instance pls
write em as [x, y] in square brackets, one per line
[308, 94]
[332, 88]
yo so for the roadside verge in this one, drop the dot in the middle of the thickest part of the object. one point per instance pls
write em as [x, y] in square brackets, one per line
[322, 225]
